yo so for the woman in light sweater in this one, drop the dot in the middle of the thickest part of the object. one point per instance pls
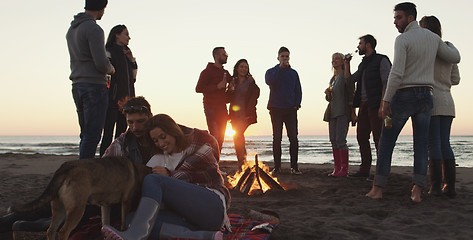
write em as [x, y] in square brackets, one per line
[445, 75]
[338, 114]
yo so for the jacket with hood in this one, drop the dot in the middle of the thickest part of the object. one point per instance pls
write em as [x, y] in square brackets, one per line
[207, 85]
[85, 41]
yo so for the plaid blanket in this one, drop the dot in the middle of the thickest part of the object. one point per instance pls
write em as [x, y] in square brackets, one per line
[241, 229]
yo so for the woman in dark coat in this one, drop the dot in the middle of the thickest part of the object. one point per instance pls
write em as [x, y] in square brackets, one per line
[243, 96]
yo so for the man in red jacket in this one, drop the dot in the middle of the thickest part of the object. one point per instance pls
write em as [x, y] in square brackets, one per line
[212, 83]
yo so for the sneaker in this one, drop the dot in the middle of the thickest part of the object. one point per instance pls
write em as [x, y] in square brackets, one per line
[39, 225]
[295, 171]
[275, 171]
[359, 175]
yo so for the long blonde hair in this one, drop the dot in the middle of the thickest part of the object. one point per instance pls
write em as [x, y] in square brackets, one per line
[341, 57]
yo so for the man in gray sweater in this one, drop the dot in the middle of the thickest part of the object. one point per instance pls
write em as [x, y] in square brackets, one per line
[409, 95]
[89, 67]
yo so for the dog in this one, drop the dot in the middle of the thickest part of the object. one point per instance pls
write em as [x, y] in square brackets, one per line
[99, 181]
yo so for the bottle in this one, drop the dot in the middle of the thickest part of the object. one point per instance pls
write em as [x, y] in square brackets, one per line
[350, 54]
[388, 122]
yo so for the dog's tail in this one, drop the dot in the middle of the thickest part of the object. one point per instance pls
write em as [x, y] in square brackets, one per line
[49, 193]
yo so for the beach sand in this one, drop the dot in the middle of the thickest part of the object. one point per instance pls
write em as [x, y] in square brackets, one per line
[314, 206]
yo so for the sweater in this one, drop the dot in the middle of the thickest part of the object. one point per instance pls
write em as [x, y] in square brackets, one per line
[415, 51]
[285, 88]
[207, 85]
[85, 41]
[445, 75]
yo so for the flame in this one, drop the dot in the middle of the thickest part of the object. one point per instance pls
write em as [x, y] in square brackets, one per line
[233, 180]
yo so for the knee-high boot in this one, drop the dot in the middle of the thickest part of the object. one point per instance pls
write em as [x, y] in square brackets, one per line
[336, 162]
[435, 172]
[449, 171]
[141, 225]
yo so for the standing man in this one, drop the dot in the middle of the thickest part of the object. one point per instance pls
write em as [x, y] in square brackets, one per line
[212, 84]
[285, 98]
[89, 67]
[371, 79]
[409, 94]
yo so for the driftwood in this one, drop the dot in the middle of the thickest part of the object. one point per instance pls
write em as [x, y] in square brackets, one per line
[249, 182]
[242, 179]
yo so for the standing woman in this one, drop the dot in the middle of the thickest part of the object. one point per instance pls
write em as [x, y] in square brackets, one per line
[243, 94]
[338, 114]
[445, 75]
[121, 86]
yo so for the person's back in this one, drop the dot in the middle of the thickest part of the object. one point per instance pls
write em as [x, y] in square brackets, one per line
[85, 43]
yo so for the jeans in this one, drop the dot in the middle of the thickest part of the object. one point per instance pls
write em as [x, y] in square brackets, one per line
[91, 103]
[368, 122]
[239, 127]
[289, 118]
[338, 130]
[415, 103]
[187, 205]
[217, 118]
[439, 138]
[114, 118]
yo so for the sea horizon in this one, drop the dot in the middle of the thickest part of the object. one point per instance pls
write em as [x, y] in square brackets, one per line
[312, 148]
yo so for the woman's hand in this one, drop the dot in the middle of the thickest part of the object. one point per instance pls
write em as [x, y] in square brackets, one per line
[160, 170]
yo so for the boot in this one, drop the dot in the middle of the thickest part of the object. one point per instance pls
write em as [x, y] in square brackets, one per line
[435, 172]
[449, 171]
[141, 225]
[336, 162]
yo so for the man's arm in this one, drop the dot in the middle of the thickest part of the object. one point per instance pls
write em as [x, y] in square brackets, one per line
[271, 75]
[298, 92]
[97, 50]
[397, 71]
[448, 52]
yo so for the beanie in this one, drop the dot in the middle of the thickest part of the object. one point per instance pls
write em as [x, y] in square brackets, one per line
[95, 5]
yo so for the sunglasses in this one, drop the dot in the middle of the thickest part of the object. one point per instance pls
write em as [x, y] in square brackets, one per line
[139, 108]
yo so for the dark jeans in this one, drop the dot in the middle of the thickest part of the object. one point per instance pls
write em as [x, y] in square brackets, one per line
[114, 116]
[439, 138]
[415, 103]
[289, 118]
[217, 122]
[188, 205]
[368, 122]
[239, 127]
[91, 103]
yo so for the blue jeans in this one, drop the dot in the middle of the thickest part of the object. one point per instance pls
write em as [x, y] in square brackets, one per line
[415, 103]
[187, 205]
[439, 139]
[91, 103]
[289, 118]
[338, 130]
[217, 118]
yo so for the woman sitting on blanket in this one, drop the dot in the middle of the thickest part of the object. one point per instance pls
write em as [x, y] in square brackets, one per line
[186, 180]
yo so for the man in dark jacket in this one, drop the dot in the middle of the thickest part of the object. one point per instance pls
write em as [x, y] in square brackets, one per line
[371, 79]
[285, 98]
[89, 67]
[212, 83]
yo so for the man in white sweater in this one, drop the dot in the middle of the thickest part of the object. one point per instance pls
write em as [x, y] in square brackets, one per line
[409, 94]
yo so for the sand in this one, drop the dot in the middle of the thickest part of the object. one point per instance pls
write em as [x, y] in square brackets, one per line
[314, 206]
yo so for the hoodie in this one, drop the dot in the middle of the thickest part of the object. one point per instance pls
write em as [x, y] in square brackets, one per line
[85, 41]
[207, 85]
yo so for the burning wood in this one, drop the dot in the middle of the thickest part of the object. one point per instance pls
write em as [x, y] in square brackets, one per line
[252, 178]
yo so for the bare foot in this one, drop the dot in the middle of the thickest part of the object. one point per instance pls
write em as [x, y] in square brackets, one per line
[375, 192]
[416, 194]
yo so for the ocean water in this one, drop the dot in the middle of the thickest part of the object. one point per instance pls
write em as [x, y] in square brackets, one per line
[312, 149]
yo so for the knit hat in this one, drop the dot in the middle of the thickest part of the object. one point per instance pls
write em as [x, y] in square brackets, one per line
[95, 5]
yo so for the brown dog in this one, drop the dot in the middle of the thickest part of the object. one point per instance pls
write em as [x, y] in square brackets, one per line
[101, 181]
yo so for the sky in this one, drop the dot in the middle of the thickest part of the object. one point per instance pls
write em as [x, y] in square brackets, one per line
[173, 40]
